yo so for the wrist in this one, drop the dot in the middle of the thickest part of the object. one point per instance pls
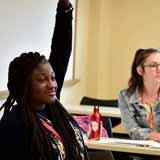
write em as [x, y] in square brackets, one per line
[69, 9]
[65, 9]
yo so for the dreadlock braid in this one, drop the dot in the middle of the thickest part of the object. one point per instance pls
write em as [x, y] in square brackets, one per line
[19, 86]
[19, 79]
[72, 151]
[20, 70]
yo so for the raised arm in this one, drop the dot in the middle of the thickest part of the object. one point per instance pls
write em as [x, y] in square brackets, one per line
[61, 42]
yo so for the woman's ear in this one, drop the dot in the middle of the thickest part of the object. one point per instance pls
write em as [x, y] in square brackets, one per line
[139, 70]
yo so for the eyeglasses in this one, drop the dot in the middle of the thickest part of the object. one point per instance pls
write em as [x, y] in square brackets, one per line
[152, 65]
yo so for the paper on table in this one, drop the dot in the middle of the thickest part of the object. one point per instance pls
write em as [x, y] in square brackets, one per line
[144, 143]
[154, 144]
[126, 141]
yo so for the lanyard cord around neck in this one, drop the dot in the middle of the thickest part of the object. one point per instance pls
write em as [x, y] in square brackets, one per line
[51, 129]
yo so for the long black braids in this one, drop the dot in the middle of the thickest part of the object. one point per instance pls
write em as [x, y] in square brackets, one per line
[62, 119]
[19, 87]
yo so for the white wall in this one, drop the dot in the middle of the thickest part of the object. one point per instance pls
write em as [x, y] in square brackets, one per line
[26, 25]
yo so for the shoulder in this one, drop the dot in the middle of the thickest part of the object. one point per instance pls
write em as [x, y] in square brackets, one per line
[13, 136]
[129, 98]
[123, 98]
[123, 93]
[14, 117]
[12, 127]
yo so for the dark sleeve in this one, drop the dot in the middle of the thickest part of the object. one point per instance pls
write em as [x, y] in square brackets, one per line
[12, 140]
[61, 45]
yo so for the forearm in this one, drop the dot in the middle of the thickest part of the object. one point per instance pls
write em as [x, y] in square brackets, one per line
[62, 36]
[61, 43]
[155, 136]
[134, 130]
[139, 133]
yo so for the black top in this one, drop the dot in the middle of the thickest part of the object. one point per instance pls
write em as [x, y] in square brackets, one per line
[15, 143]
[12, 137]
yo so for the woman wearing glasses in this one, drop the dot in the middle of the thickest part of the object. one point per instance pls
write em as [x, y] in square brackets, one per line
[140, 102]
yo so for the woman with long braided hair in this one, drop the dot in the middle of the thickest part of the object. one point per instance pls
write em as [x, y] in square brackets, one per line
[35, 125]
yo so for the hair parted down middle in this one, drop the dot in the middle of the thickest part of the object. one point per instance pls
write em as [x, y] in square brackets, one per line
[136, 80]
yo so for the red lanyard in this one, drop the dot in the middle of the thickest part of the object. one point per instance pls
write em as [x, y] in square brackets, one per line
[51, 129]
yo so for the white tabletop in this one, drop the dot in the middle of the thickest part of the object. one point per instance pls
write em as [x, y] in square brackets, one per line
[86, 109]
[114, 145]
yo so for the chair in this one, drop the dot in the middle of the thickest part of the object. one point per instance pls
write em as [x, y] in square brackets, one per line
[108, 122]
[100, 154]
[101, 102]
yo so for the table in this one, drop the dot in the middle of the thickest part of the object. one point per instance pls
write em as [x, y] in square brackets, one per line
[87, 109]
[129, 148]
[104, 111]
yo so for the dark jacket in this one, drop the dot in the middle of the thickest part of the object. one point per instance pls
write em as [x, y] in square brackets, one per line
[12, 137]
[16, 144]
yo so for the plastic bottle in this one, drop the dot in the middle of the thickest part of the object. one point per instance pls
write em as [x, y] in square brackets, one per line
[95, 124]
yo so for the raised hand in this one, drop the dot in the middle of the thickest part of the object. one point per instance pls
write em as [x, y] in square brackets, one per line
[64, 3]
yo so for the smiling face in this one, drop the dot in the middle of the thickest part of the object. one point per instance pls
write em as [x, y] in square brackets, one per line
[44, 85]
[150, 70]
